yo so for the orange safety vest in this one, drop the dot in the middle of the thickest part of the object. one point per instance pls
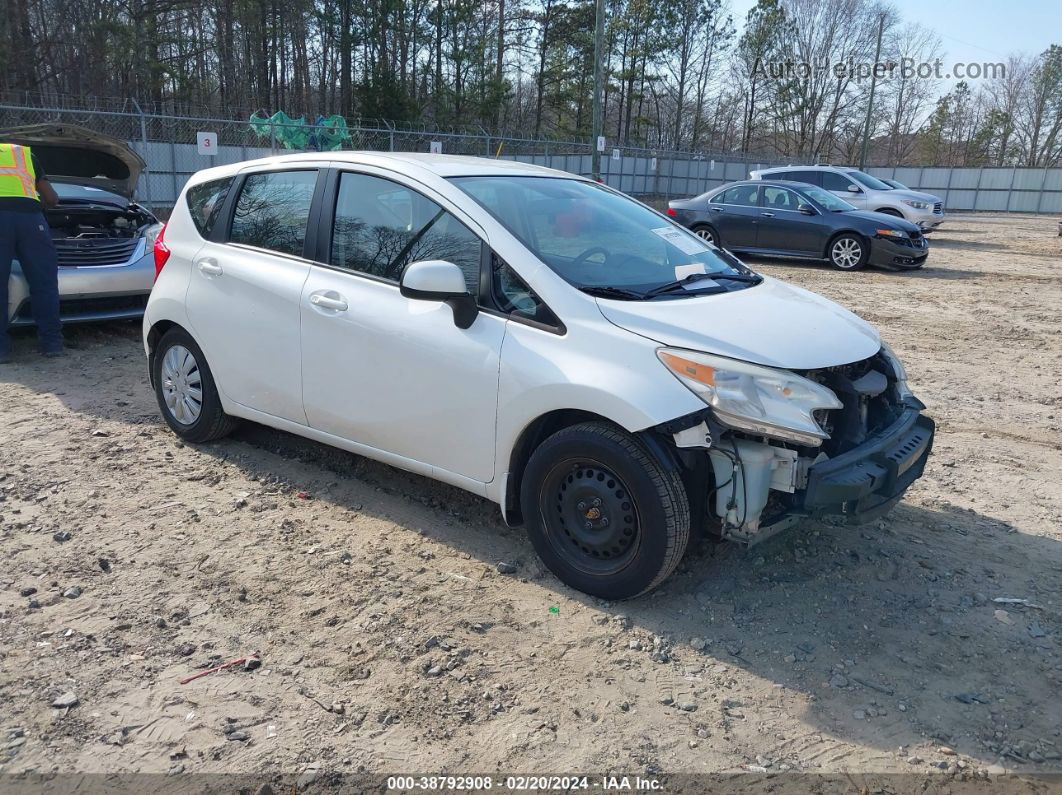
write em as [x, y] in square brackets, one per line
[17, 178]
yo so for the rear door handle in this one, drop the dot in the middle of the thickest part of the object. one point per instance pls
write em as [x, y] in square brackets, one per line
[767, 215]
[328, 299]
[717, 209]
[210, 267]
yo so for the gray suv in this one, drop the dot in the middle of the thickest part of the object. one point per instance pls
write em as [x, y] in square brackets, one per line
[865, 191]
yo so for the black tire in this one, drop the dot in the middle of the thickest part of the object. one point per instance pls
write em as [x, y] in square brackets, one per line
[708, 234]
[632, 538]
[890, 211]
[212, 422]
[840, 254]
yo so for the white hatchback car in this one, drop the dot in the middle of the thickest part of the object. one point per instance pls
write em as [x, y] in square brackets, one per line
[607, 377]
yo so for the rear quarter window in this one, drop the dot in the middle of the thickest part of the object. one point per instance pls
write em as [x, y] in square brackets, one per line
[205, 202]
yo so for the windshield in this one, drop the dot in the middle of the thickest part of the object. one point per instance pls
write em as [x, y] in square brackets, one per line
[593, 237]
[828, 200]
[871, 182]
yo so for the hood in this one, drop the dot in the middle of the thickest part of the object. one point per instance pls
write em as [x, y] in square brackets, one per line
[80, 156]
[915, 195]
[773, 323]
[885, 220]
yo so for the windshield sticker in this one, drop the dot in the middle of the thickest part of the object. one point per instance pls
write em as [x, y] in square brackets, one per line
[682, 271]
[684, 243]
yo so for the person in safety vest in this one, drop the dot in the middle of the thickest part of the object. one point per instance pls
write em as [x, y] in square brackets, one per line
[24, 193]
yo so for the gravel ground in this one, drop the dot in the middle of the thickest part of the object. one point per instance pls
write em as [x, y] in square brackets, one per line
[389, 640]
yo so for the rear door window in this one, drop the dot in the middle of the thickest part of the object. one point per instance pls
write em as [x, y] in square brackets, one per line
[811, 177]
[834, 181]
[273, 210]
[742, 195]
[205, 202]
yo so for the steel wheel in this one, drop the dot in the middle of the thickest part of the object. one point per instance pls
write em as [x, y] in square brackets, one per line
[706, 234]
[590, 517]
[182, 385]
[846, 253]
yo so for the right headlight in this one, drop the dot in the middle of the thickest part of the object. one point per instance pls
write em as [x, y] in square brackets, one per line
[899, 372]
[753, 398]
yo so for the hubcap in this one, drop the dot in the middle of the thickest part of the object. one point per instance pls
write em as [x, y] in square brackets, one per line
[706, 234]
[182, 385]
[590, 517]
[846, 253]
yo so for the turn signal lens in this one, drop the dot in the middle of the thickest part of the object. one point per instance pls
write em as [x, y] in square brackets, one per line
[701, 373]
[161, 251]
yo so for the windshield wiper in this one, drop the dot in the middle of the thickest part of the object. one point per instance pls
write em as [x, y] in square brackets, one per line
[604, 291]
[671, 287]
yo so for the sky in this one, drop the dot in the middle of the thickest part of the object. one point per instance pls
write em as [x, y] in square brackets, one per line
[973, 31]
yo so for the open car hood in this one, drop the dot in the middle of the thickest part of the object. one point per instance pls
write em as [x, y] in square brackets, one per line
[68, 153]
[773, 323]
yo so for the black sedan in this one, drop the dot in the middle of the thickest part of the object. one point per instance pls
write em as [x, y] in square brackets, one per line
[778, 218]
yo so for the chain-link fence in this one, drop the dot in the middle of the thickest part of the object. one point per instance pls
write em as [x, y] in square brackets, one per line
[169, 145]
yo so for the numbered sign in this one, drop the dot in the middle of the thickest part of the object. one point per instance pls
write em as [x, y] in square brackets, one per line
[652, 164]
[207, 143]
[601, 143]
[615, 154]
[435, 147]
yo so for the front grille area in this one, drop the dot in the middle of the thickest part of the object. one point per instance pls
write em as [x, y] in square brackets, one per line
[82, 251]
[938, 208]
[86, 308]
[862, 415]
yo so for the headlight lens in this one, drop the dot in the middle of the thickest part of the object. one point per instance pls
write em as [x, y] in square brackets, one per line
[151, 235]
[898, 370]
[916, 204]
[892, 233]
[752, 398]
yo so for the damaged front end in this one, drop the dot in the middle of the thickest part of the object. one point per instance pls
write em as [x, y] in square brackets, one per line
[872, 443]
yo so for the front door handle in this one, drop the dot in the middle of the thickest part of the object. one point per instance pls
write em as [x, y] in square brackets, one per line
[210, 267]
[328, 300]
[767, 215]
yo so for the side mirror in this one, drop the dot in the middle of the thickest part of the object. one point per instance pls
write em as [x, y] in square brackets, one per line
[439, 280]
[806, 209]
[854, 189]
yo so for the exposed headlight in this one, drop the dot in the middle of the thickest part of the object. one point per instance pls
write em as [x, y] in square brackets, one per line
[891, 233]
[916, 204]
[748, 397]
[151, 235]
[898, 371]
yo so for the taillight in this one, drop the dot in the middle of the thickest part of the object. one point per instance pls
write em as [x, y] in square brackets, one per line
[162, 252]
[671, 212]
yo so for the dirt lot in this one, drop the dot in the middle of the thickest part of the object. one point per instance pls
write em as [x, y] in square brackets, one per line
[390, 642]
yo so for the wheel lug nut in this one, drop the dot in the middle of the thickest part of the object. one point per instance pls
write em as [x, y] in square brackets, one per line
[604, 522]
[596, 502]
[589, 525]
[581, 505]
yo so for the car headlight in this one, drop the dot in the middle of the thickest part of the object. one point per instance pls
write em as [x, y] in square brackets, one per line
[891, 233]
[916, 204]
[899, 372]
[748, 397]
[151, 235]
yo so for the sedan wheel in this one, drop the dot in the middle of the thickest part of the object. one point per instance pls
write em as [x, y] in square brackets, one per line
[706, 234]
[848, 253]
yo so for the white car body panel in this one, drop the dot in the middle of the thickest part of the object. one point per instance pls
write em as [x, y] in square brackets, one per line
[394, 379]
[792, 327]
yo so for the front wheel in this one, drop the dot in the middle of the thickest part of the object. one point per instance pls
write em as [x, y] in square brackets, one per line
[185, 389]
[848, 252]
[604, 515]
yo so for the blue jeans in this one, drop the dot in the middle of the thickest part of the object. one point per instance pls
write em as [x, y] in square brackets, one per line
[26, 235]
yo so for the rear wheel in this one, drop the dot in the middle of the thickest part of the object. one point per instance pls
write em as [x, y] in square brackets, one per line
[185, 390]
[848, 252]
[707, 234]
[603, 514]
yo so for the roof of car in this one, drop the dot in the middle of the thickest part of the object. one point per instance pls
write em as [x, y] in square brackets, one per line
[441, 165]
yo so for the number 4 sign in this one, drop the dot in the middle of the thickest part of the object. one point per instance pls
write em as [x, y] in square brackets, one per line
[207, 143]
